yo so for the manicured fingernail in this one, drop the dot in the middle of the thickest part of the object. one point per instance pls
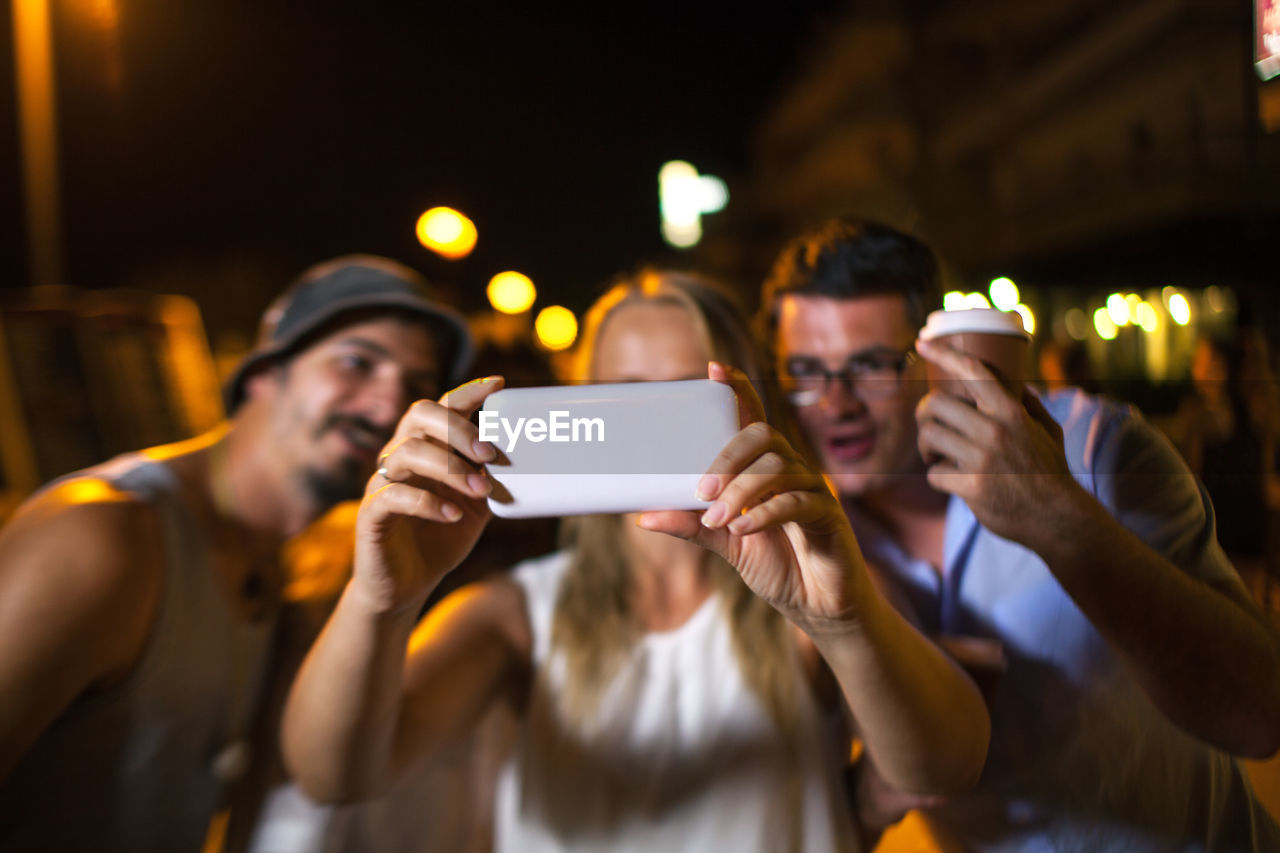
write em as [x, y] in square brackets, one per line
[715, 515]
[484, 451]
[479, 483]
[742, 524]
[708, 487]
[451, 512]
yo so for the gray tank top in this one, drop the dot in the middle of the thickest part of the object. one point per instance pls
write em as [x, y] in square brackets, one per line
[134, 767]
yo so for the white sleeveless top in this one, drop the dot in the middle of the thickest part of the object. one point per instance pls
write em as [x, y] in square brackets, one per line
[682, 754]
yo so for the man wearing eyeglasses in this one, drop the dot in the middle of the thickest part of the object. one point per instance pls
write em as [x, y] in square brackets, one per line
[1059, 546]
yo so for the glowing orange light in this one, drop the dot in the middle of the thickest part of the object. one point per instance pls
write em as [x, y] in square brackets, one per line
[556, 327]
[511, 292]
[446, 232]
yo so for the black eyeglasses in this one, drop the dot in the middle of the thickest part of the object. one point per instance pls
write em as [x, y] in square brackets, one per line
[871, 375]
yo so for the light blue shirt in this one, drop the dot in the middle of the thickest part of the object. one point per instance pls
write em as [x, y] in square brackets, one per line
[1080, 758]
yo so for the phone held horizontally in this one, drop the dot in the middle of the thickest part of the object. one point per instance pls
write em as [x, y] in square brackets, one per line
[578, 449]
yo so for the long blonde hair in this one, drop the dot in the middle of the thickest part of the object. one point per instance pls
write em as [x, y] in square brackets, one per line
[594, 624]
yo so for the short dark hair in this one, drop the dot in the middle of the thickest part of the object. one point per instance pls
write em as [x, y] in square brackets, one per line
[847, 258]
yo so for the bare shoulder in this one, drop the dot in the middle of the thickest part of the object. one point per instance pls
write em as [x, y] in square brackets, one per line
[81, 562]
[86, 521]
[79, 581]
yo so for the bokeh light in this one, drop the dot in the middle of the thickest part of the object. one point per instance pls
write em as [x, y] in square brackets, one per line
[954, 300]
[1146, 317]
[1132, 301]
[1004, 294]
[1117, 310]
[684, 197]
[1179, 309]
[556, 327]
[1104, 325]
[446, 232]
[1028, 318]
[714, 192]
[511, 292]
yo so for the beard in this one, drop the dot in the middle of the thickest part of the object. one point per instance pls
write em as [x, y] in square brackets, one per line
[330, 488]
[346, 480]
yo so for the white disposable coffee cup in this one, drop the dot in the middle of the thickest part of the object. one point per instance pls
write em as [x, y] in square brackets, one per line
[996, 338]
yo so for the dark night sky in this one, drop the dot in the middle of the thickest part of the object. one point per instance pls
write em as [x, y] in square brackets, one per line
[275, 134]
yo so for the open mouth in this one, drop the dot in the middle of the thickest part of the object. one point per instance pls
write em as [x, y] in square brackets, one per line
[849, 447]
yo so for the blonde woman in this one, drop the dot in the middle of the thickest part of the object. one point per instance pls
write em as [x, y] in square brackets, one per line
[676, 675]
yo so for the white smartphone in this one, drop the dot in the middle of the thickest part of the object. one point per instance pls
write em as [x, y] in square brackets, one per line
[579, 449]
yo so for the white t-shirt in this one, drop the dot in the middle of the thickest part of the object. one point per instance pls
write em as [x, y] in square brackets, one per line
[681, 755]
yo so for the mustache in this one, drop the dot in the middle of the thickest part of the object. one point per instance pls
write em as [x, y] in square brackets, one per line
[356, 423]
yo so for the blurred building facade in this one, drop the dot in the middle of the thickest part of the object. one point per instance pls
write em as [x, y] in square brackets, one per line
[1023, 132]
[1075, 145]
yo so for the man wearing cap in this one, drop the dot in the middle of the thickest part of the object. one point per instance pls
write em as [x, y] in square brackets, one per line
[1059, 547]
[137, 598]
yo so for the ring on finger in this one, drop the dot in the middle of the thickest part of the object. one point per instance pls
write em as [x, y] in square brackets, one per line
[382, 467]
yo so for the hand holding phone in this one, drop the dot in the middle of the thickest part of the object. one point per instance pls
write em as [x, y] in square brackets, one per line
[425, 507]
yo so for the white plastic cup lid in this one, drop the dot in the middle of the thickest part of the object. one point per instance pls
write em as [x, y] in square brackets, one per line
[987, 321]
